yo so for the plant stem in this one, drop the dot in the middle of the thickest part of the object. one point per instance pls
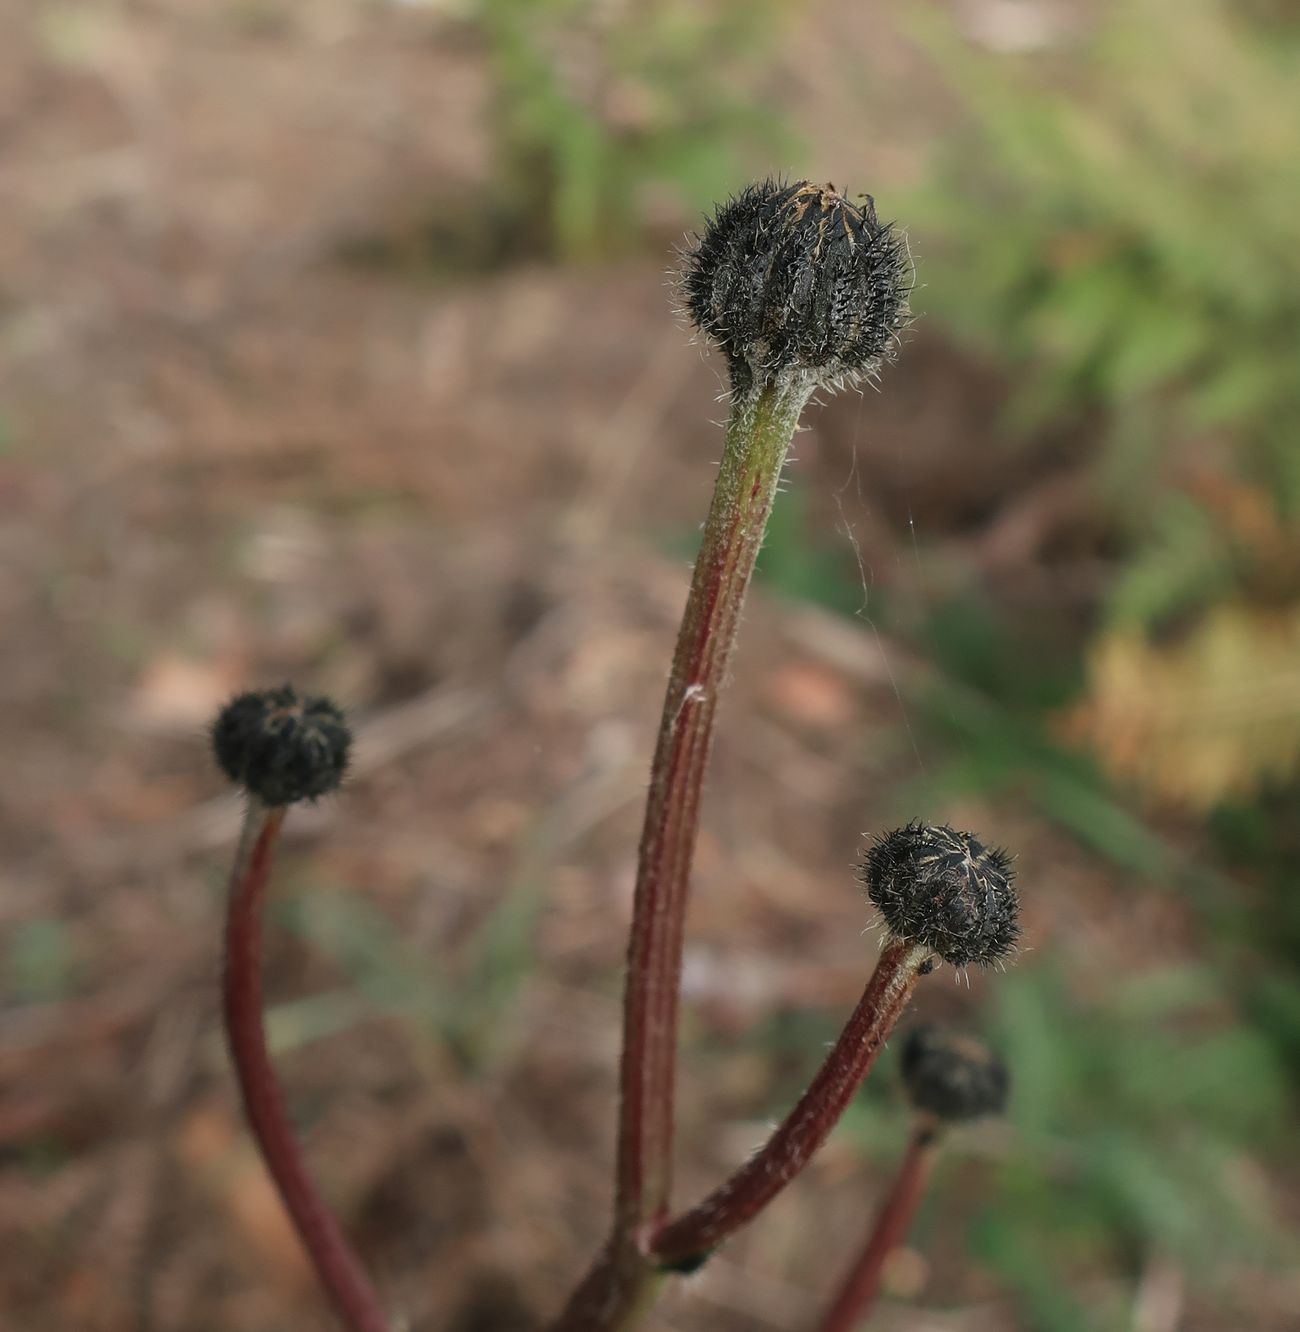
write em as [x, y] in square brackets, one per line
[619, 1288]
[625, 1277]
[857, 1295]
[691, 1236]
[759, 432]
[339, 1270]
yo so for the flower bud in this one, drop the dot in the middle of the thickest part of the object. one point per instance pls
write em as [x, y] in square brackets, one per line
[281, 748]
[794, 280]
[942, 889]
[952, 1076]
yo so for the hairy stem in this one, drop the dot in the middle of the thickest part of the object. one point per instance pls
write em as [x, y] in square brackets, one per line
[339, 1270]
[759, 431]
[691, 1236]
[625, 1276]
[857, 1294]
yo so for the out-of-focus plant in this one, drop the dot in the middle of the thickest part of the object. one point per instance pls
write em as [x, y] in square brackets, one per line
[1128, 233]
[1132, 1144]
[1214, 717]
[951, 1079]
[801, 290]
[608, 114]
[1132, 231]
[1133, 1135]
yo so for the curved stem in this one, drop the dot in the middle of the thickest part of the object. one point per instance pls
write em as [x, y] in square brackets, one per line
[624, 1277]
[691, 1236]
[759, 431]
[857, 1295]
[339, 1270]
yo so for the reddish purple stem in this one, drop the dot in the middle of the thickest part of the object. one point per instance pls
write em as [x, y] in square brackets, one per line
[758, 437]
[691, 1236]
[339, 1270]
[857, 1295]
[759, 431]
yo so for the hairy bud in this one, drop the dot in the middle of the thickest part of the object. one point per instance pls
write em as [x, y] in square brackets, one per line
[942, 889]
[952, 1076]
[796, 280]
[282, 748]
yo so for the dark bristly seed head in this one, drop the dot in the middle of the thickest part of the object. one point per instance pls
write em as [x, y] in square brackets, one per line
[943, 889]
[952, 1076]
[282, 748]
[796, 279]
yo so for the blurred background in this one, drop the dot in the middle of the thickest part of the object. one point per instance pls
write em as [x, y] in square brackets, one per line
[336, 344]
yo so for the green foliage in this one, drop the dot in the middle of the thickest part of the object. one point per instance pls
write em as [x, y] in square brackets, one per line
[1184, 563]
[464, 1005]
[1135, 1134]
[1261, 839]
[1127, 236]
[599, 106]
[39, 960]
[991, 700]
[797, 564]
[1135, 1128]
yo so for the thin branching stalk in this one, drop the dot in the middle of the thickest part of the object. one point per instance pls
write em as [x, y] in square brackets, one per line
[338, 1268]
[861, 1285]
[690, 1237]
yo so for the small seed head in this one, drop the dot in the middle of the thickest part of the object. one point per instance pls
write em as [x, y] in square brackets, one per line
[282, 748]
[795, 280]
[953, 1076]
[941, 888]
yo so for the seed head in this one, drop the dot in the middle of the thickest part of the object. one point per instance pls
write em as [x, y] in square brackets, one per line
[952, 1076]
[941, 888]
[796, 280]
[282, 748]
